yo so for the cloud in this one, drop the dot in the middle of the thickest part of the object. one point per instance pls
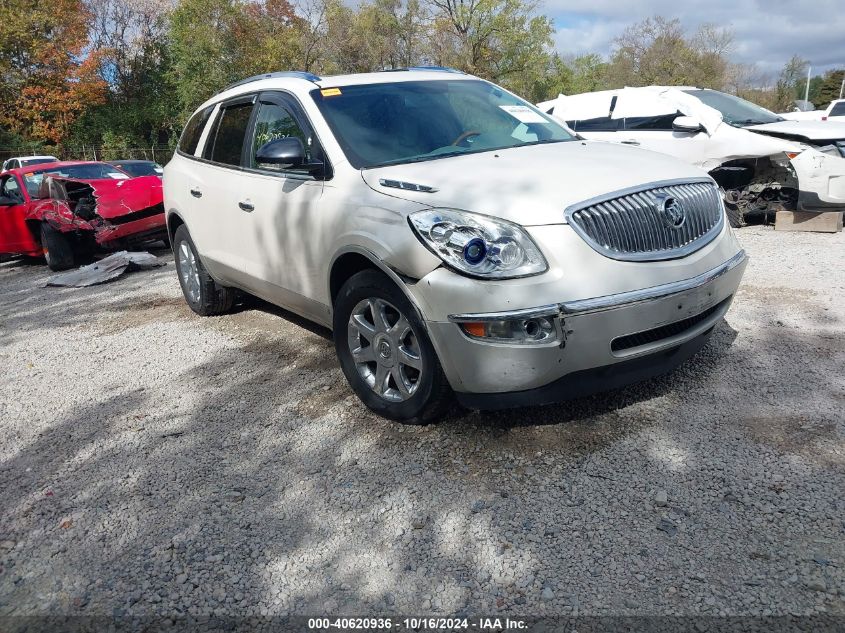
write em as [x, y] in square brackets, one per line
[766, 32]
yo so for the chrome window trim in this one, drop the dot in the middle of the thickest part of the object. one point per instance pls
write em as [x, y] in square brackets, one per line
[610, 302]
[649, 256]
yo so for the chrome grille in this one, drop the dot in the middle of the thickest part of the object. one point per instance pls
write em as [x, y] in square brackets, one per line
[642, 224]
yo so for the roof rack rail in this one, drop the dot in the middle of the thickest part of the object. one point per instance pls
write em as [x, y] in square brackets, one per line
[297, 74]
[442, 69]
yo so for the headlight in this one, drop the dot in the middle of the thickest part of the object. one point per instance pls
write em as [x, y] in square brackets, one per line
[478, 245]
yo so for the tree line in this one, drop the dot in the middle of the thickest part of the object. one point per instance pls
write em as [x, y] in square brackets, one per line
[119, 74]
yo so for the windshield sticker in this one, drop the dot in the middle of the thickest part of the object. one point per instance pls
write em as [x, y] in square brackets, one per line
[330, 92]
[523, 114]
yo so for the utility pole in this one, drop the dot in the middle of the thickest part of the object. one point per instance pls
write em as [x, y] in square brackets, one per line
[807, 89]
[842, 87]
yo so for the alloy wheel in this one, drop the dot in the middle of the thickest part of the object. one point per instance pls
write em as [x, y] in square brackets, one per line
[189, 271]
[385, 349]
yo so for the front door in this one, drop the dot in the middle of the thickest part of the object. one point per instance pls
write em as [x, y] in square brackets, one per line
[15, 235]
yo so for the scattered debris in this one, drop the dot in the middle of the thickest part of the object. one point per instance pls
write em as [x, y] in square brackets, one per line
[667, 526]
[106, 269]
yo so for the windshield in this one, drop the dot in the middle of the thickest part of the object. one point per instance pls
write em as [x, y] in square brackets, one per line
[391, 123]
[88, 171]
[141, 168]
[735, 111]
[26, 162]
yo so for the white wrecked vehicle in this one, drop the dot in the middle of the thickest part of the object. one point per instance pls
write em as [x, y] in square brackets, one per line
[761, 161]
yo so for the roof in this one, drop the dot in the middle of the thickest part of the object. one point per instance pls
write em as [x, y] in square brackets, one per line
[130, 161]
[306, 81]
[33, 169]
[31, 157]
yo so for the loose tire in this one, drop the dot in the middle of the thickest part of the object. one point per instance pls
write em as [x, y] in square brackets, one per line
[735, 216]
[385, 352]
[204, 295]
[57, 248]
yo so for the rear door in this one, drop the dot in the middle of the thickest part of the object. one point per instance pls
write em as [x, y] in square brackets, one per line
[214, 182]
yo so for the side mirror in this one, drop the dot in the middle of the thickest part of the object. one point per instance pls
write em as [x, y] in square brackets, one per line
[6, 201]
[286, 154]
[687, 124]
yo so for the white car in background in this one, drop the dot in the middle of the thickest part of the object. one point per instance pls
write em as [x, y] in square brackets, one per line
[27, 161]
[835, 111]
[761, 161]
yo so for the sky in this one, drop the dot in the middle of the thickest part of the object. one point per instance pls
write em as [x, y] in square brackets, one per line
[766, 32]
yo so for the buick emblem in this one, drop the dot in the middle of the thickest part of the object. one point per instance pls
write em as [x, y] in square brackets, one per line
[670, 210]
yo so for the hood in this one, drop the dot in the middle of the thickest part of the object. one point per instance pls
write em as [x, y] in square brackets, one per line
[530, 185]
[119, 197]
[807, 131]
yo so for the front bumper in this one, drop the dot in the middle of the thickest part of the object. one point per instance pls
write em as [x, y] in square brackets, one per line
[658, 327]
[821, 181]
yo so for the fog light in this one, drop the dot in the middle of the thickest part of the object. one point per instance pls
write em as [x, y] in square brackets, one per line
[531, 330]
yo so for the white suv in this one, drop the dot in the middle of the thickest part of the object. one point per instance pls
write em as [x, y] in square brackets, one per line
[455, 238]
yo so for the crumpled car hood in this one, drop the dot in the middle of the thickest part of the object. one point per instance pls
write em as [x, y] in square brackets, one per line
[530, 185]
[119, 197]
[803, 130]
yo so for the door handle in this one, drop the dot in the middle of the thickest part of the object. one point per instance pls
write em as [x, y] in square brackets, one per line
[630, 142]
[196, 193]
[246, 206]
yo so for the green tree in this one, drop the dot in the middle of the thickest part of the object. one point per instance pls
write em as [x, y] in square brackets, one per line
[657, 51]
[203, 50]
[829, 87]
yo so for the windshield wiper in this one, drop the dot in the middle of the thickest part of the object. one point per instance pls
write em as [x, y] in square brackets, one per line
[421, 158]
[751, 122]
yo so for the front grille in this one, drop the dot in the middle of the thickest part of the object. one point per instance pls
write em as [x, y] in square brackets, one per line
[664, 331]
[643, 224]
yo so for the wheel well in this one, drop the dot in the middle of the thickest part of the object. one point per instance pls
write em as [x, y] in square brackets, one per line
[173, 223]
[344, 267]
[34, 227]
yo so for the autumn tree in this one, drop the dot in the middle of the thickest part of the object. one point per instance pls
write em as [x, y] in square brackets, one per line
[47, 81]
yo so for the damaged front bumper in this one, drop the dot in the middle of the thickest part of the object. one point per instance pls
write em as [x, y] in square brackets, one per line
[601, 343]
[821, 179]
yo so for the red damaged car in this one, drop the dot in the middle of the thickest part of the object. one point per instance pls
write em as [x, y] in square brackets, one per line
[63, 211]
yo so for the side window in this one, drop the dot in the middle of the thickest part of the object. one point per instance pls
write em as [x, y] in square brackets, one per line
[838, 109]
[657, 122]
[10, 188]
[600, 124]
[274, 122]
[225, 144]
[193, 130]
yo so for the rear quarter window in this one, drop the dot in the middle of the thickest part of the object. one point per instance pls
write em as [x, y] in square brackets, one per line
[838, 109]
[193, 130]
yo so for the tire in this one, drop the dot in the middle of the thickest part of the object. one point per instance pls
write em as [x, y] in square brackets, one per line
[411, 394]
[204, 295]
[57, 248]
[735, 216]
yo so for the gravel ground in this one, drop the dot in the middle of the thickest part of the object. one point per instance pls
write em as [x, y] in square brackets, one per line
[156, 463]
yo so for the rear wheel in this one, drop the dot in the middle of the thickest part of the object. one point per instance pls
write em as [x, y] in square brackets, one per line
[57, 248]
[385, 352]
[204, 295]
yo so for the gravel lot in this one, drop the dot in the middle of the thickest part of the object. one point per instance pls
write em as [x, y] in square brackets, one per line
[156, 463]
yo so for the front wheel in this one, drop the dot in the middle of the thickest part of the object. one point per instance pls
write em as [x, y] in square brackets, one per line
[57, 248]
[385, 353]
[204, 295]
